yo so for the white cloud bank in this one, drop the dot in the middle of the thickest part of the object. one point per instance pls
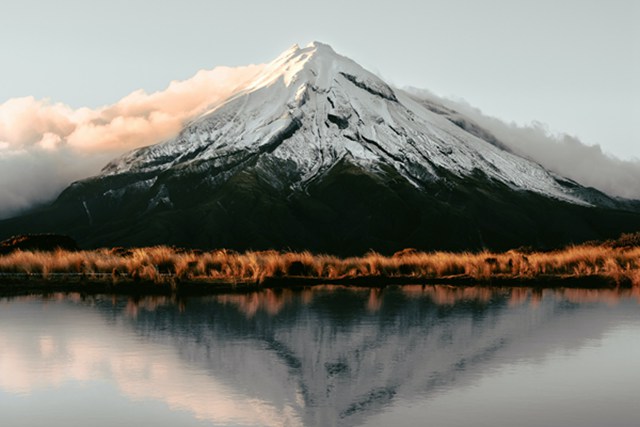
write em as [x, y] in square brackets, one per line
[45, 146]
[560, 153]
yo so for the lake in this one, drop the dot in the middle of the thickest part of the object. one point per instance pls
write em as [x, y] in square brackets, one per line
[324, 356]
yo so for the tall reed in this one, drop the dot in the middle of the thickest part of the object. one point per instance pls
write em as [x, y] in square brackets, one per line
[160, 263]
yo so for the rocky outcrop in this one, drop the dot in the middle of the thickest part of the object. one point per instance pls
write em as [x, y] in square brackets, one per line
[38, 242]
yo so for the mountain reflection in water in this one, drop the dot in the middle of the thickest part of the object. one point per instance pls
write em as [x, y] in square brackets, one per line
[319, 356]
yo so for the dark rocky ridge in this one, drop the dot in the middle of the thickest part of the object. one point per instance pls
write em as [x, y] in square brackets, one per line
[37, 242]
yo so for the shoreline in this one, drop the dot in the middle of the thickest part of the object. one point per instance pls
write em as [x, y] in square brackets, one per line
[24, 284]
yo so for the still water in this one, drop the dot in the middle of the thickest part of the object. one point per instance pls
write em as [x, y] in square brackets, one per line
[410, 356]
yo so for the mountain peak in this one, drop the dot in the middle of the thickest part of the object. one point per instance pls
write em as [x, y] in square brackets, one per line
[321, 47]
[310, 63]
[314, 48]
[311, 108]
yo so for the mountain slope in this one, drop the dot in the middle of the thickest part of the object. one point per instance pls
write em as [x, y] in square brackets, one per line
[317, 153]
[311, 108]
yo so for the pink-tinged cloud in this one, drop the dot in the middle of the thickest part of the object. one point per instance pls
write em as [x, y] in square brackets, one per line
[45, 146]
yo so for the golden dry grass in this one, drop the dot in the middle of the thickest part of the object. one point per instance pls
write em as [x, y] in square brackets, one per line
[162, 263]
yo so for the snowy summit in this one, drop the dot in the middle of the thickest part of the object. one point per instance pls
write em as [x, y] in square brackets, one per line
[312, 107]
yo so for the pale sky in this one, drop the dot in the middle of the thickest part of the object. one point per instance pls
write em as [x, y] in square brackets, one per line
[573, 64]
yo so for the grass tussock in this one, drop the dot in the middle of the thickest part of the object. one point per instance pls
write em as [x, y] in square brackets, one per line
[162, 264]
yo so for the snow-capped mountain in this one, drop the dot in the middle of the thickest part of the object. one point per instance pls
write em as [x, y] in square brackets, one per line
[318, 153]
[311, 108]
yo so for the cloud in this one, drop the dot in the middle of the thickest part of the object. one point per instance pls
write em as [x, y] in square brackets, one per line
[45, 146]
[560, 153]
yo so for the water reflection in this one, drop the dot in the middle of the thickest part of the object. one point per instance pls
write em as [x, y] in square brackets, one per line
[321, 356]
